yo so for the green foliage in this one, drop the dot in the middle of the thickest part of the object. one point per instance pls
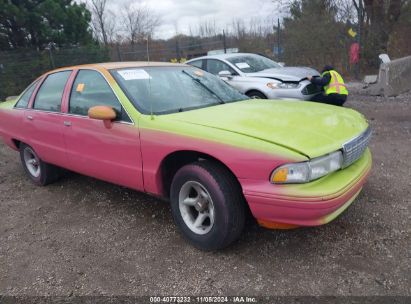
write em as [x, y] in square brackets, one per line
[35, 23]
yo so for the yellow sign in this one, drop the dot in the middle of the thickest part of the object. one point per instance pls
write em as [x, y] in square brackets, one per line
[80, 87]
[352, 33]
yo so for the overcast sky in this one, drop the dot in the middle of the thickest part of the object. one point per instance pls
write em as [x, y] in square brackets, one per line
[181, 14]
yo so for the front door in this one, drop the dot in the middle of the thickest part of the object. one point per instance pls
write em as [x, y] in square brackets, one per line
[111, 153]
[215, 66]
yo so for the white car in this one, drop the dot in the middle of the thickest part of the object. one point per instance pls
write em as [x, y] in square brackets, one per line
[258, 76]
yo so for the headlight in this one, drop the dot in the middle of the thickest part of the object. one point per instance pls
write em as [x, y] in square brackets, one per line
[307, 171]
[272, 85]
[282, 85]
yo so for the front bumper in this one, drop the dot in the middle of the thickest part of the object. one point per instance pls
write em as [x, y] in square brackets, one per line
[311, 204]
[303, 92]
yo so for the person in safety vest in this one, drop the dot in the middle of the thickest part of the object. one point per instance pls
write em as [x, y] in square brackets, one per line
[334, 90]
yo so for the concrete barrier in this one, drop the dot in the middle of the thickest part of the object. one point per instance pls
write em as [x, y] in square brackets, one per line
[394, 78]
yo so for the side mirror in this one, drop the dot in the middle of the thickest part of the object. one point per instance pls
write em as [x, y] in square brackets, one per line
[225, 74]
[104, 113]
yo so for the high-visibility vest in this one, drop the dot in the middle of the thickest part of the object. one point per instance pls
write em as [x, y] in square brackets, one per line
[336, 84]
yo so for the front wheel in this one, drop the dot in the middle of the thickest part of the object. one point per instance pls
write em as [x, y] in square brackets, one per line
[207, 205]
[256, 95]
[38, 171]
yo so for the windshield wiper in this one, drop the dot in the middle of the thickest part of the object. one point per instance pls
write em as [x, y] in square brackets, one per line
[203, 85]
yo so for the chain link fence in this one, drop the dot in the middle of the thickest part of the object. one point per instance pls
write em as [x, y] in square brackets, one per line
[19, 68]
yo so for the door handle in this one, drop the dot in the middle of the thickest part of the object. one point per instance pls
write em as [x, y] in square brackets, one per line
[29, 117]
[67, 123]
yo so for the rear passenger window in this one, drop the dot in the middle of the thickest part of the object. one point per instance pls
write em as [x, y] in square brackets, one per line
[49, 96]
[25, 98]
[91, 89]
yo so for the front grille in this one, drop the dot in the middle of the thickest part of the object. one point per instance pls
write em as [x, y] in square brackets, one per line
[355, 148]
[310, 89]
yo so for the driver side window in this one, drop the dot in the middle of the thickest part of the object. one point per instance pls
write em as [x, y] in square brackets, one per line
[91, 89]
[215, 66]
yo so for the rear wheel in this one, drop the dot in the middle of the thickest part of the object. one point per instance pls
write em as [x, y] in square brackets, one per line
[207, 205]
[38, 171]
[256, 95]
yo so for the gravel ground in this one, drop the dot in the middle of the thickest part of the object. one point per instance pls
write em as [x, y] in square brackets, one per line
[81, 236]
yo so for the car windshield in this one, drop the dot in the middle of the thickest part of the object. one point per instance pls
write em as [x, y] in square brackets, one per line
[253, 63]
[162, 90]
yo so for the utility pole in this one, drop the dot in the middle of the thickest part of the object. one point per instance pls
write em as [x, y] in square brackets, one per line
[50, 46]
[278, 40]
[148, 52]
[1, 72]
[177, 50]
[224, 43]
[359, 30]
[118, 52]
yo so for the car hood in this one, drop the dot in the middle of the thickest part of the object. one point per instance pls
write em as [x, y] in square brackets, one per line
[311, 129]
[286, 73]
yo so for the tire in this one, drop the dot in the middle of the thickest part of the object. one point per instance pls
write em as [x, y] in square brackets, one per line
[221, 205]
[37, 170]
[256, 95]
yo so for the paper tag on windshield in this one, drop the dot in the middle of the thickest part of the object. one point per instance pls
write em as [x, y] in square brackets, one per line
[134, 74]
[80, 87]
[242, 65]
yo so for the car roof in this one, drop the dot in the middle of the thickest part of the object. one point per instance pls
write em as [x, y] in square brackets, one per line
[223, 56]
[121, 65]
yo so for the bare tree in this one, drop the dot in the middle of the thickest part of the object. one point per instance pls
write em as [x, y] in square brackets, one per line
[238, 28]
[379, 15]
[139, 22]
[208, 28]
[102, 21]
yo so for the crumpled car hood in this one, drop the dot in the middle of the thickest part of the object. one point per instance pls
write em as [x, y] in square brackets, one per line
[286, 73]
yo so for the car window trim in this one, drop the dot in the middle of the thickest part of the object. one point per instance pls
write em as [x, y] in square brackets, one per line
[34, 83]
[35, 93]
[33, 96]
[197, 60]
[222, 61]
[67, 100]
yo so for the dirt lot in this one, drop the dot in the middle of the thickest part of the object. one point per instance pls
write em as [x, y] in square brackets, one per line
[81, 236]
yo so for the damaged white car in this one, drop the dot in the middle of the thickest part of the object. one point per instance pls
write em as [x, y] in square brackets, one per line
[260, 77]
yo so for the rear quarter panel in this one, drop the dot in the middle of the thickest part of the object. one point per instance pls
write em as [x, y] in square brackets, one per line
[10, 123]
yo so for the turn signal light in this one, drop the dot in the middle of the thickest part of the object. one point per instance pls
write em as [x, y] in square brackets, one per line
[280, 176]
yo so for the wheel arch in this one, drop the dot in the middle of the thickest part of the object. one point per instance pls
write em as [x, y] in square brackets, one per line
[16, 143]
[255, 90]
[177, 159]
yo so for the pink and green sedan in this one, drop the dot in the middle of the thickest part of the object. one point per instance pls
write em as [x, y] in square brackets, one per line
[177, 132]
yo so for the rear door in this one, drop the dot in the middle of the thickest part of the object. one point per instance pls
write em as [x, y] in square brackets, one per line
[43, 122]
[108, 153]
[12, 122]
